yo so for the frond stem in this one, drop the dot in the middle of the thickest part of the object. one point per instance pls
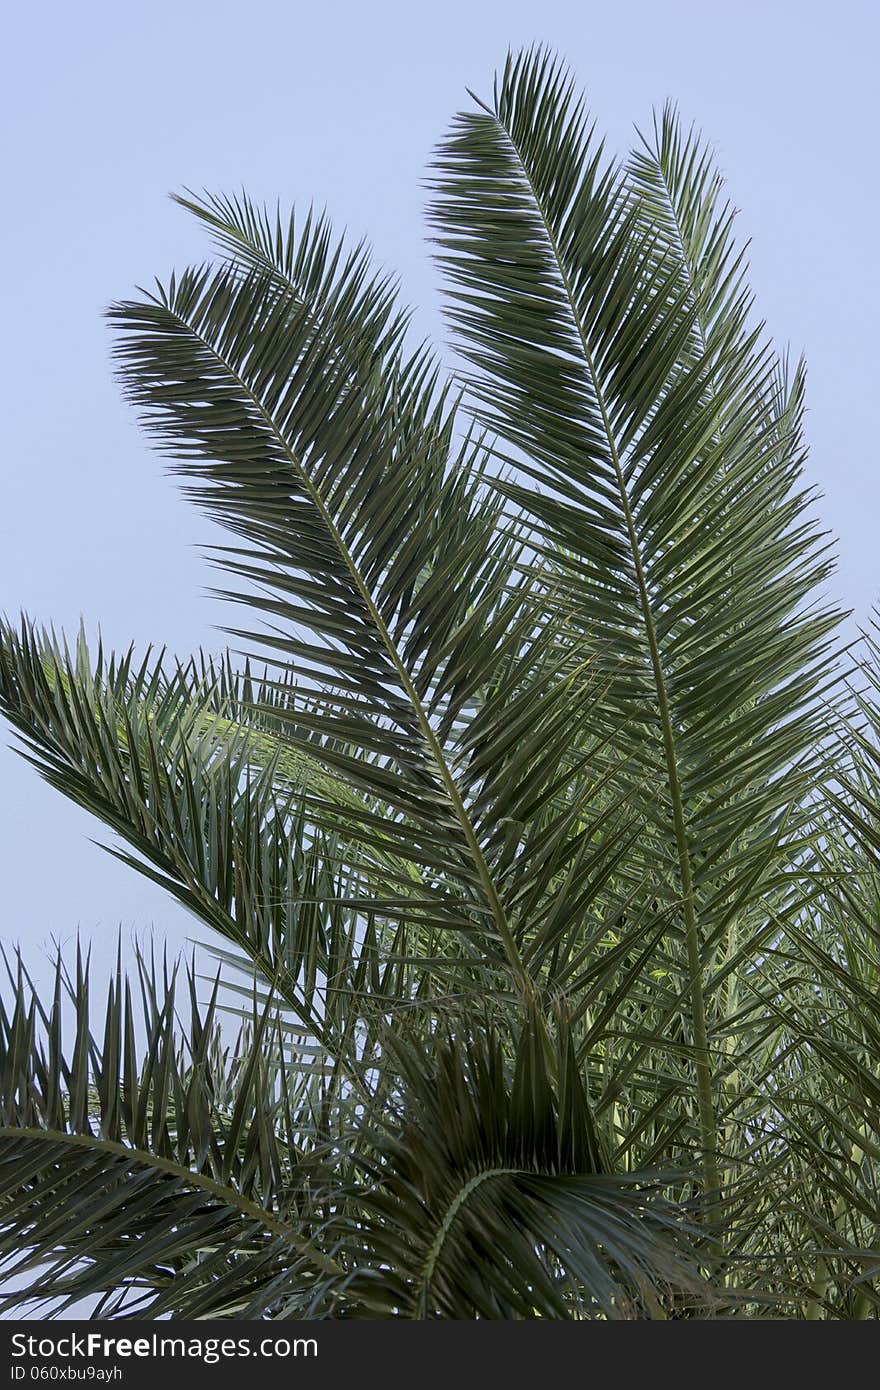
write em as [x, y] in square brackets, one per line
[219, 1191]
[436, 1248]
[505, 933]
[703, 1067]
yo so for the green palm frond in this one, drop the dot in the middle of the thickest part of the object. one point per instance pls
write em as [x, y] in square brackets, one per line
[491, 1196]
[208, 816]
[338, 431]
[428, 646]
[148, 1163]
[605, 327]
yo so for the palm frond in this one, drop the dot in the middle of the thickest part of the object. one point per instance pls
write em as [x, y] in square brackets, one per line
[609, 349]
[149, 1164]
[492, 1196]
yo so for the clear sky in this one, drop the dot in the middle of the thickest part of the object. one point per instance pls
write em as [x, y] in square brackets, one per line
[106, 107]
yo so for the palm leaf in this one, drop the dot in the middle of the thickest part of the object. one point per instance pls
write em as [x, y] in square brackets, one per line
[492, 1196]
[609, 350]
[153, 1167]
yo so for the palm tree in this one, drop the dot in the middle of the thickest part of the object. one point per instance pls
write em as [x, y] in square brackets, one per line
[539, 827]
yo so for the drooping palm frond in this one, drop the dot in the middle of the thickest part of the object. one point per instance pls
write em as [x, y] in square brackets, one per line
[147, 1163]
[208, 804]
[493, 1196]
[430, 656]
[365, 527]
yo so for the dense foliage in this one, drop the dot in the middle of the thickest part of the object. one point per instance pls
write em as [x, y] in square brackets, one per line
[539, 827]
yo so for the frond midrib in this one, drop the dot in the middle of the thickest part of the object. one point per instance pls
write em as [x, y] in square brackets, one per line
[514, 958]
[227, 1196]
[708, 1126]
[435, 1249]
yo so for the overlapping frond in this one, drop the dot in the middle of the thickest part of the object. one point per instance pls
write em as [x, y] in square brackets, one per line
[491, 1195]
[150, 1166]
[210, 806]
[540, 860]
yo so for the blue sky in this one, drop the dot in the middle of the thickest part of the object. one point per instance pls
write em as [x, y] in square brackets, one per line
[106, 108]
